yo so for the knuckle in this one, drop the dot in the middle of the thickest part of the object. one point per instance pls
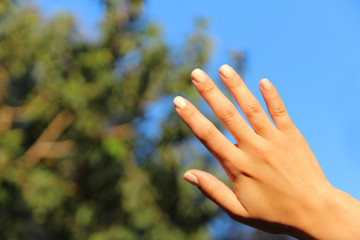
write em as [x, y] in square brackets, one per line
[190, 113]
[252, 109]
[207, 88]
[207, 134]
[260, 148]
[278, 111]
[227, 114]
[235, 83]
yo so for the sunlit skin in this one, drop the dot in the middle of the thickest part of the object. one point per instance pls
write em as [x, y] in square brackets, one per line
[278, 185]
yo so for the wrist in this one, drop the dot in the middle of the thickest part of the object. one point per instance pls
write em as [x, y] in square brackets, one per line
[332, 215]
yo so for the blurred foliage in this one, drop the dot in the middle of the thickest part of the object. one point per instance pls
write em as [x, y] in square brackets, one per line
[76, 161]
[76, 157]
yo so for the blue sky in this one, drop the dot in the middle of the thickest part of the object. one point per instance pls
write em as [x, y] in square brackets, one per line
[308, 49]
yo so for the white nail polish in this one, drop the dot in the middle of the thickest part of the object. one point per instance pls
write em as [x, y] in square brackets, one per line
[226, 71]
[198, 75]
[179, 102]
[265, 83]
[191, 178]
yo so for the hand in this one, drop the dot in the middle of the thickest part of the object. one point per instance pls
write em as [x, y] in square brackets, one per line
[278, 185]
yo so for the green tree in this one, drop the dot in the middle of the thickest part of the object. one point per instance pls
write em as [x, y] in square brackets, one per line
[84, 152]
[76, 158]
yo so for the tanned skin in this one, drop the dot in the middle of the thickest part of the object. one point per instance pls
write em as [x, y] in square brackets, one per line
[277, 183]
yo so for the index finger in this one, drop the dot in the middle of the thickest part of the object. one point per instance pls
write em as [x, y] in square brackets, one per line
[220, 147]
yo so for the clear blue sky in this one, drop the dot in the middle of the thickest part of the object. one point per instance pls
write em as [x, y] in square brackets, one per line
[309, 49]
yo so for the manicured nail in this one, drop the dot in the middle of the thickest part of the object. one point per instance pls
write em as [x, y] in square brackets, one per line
[226, 71]
[265, 83]
[179, 102]
[198, 75]
[191, 178]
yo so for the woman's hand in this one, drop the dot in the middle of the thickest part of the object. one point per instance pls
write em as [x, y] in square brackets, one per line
[278, 184]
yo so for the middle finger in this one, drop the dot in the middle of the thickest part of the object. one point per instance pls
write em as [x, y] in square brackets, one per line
[221, 106]
[247, 101]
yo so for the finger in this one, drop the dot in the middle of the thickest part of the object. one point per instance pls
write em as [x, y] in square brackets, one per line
[275, 105]
[246, 100]
[217, 191]
[221, 106]
[222, 149]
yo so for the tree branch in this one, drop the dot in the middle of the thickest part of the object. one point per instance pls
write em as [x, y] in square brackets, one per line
[47, 139]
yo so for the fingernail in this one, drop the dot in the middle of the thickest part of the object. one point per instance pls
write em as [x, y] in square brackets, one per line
[179, 102]
[265, 83]
[226, 71]
[198, 75]
[191, 178]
